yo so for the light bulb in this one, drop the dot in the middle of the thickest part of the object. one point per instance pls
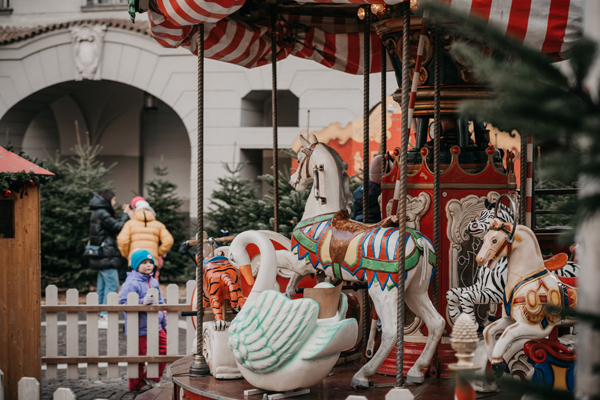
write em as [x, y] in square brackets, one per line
[377, 9]
[361, 13]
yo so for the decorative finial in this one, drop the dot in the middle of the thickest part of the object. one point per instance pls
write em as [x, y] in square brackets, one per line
[464, 341]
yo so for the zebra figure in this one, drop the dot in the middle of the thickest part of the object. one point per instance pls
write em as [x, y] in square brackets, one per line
[489, 283]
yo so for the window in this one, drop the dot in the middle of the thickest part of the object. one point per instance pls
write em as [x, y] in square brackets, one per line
[7, 223]
[104, 5]
[256, 108]
[5, 7]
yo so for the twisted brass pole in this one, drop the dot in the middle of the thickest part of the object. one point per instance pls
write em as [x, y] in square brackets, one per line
[383, 145]
[436, 161]
[523, 192]
[366, 88]
[274, 119]
[403, 193]
[199, 367]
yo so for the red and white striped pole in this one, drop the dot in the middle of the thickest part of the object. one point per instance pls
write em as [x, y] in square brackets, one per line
[529, 185]
[415, 80]
[412, 101]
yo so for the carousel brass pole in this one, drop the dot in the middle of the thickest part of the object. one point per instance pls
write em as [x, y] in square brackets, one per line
[199, 367]
[366, 89]
[367, 69]
[383, 145]
[436, 161]
[523, 185]
[403, 192]
[274, 119]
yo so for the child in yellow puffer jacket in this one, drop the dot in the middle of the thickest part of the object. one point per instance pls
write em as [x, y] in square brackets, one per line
[143, 231]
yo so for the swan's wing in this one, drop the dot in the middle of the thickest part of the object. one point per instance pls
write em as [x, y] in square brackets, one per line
[333, 335]
[264, 336]
[331, 339]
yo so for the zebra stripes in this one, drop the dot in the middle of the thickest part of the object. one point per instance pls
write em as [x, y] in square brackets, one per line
[489, 288]
[489, 283]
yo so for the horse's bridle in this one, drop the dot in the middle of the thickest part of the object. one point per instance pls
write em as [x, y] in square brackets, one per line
[510, 233]
[305, 164]
[508, 240]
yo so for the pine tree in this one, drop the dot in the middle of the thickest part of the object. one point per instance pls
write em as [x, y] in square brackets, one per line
[166, 205]
[65, 216]
[233, 208]
[291, 205]
[535, 97]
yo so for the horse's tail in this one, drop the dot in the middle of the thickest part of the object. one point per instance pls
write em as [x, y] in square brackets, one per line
[427, 248]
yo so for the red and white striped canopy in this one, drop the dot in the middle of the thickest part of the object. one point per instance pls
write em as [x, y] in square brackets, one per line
[548, 26]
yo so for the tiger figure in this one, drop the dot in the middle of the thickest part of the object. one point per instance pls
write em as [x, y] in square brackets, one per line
[488, 287]
[221, 282]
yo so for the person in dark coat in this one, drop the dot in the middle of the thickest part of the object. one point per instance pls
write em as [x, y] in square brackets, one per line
[104, 228]
[374, 193]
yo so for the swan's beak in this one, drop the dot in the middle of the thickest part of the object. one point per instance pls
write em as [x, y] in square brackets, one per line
[246, 271]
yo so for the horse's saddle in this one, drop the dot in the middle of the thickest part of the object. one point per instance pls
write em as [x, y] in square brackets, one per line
[557, 262]
[343, 230]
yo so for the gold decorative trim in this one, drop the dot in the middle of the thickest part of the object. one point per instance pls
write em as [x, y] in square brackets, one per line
[449, 185]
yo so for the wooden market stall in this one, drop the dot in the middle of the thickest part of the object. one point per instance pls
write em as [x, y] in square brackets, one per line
[20, 270]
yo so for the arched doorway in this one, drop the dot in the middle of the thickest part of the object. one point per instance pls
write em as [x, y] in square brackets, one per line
[136, 131]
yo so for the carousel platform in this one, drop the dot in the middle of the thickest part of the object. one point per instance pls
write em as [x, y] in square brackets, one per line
[334, 387]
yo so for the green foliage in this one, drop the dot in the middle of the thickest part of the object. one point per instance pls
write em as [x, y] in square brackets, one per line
[65, 216]
[535, 97]
[561, 203]
[166, 204]
[235, 208]
[291, 205]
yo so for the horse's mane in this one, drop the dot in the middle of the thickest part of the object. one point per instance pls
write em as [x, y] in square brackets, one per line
[345, 179]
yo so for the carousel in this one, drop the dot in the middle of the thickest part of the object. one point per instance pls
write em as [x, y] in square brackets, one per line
[450, 283]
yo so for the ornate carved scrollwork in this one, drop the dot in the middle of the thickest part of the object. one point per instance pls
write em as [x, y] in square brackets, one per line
[87, 41]
[427, 55]
[459, 213]
[416, 207]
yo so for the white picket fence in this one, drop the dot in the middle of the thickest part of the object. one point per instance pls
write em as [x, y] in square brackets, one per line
[29, 389]
[111, 357]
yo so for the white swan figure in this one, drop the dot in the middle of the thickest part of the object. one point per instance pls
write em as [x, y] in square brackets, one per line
[278, 343]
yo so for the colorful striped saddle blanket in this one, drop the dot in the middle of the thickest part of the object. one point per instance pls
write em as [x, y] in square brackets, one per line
[367, 252]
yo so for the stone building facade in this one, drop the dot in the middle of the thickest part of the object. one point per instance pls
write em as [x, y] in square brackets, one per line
[80, 64]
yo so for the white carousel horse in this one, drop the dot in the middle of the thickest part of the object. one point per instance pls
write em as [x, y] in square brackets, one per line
[281, 344]
[489, 282]
[529, 288]
[343, 249]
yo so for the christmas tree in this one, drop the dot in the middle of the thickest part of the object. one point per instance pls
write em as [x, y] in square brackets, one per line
[234, 207]
[291, 204]
[534, 96]
[65, 216]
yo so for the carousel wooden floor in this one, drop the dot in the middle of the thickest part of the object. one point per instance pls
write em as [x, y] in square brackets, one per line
[334, 387]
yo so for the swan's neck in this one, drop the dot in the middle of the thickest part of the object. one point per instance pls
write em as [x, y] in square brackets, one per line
[267, 273]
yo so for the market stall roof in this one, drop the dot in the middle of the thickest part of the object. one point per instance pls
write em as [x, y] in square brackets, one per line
[10, 162]
[334, 38]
